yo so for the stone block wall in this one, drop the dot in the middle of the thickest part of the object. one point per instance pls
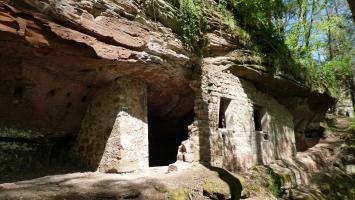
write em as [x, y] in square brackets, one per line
[114, 132]
[239, 146]
[195, 148]
[345, 106]
[114, 135]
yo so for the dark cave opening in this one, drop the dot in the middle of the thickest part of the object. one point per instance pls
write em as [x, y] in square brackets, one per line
[60, 151]
[165, 136]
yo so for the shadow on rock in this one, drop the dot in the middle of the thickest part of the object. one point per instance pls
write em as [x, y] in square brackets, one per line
[235, 186]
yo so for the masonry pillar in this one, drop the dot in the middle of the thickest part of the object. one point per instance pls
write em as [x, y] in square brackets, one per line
[114, 132]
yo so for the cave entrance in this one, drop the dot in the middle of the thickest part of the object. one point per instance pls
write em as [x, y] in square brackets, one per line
[165, 136]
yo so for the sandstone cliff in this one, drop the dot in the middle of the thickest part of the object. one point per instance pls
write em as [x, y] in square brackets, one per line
[57, 56]
[56, 53]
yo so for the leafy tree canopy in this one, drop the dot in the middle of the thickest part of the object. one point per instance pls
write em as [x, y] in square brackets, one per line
[310, 39]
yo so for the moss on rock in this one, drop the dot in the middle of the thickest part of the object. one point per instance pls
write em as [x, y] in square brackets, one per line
[216, 189]
[19, 133]
[266, 177]
[179, 194]
[225, 186]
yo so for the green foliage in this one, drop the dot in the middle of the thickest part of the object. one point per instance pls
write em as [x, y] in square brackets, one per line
[230, 24]
[260, 18]
[331, 75]
[320, 37]
[267, 177]
[274, 184]
[251, 24]
[257, 13]
[295, 38]
[193, 22]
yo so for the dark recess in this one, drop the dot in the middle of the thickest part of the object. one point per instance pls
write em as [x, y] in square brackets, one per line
[257, 118]
[223, 105]
[165, 136]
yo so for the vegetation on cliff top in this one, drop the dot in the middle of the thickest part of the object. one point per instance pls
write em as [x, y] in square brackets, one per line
[310, 41]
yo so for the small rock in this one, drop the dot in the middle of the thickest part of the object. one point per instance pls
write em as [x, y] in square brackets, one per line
[172, 168]
[245, 194]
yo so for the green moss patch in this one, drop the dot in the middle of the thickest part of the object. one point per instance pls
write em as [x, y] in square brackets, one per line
[179, 194]
[216, 189]
[226, 186]
[267, 178]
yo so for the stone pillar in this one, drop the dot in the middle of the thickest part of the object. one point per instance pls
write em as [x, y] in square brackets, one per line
[114, 132]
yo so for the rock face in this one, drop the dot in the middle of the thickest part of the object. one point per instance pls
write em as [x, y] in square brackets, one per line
[60, 58]
[102, 72]
[57, 55]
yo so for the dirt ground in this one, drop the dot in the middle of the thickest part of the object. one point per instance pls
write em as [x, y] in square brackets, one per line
[332, 182]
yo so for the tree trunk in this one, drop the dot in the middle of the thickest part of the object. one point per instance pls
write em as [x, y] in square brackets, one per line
[329, 37]
[352, 84]
[308, 31]
[352, 87]
[352, 8]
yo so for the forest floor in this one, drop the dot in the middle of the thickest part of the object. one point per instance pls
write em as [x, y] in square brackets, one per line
[332, 182]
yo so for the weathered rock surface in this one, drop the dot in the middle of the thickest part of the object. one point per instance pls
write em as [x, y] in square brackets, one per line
[61, 52]
[57, 55]
[63, 66]
[191, 181]
[321, 172]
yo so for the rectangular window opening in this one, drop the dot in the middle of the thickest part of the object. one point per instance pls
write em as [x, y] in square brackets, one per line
[223, 106]
[258, 115]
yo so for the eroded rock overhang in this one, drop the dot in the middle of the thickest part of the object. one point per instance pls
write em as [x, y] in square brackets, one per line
[56, 54]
